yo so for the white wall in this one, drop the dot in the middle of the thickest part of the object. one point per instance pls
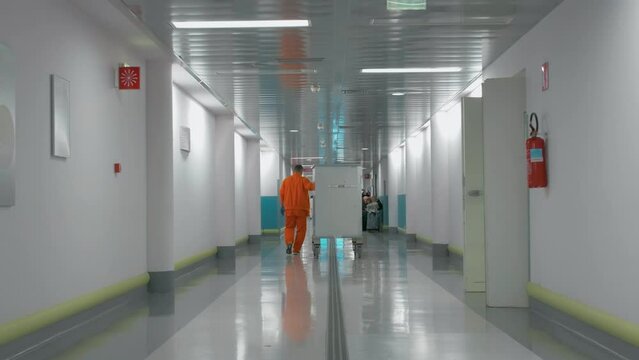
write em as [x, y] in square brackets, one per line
[224, 216]
[446, 172]
[455, 177]
[440, 182]
[584, 227]
[241, 215]
[76, 227]
[193, 178]
[415, 182]
[395, 183]
[253, 184]
[425, 224]
[159, 166]
[269, 172]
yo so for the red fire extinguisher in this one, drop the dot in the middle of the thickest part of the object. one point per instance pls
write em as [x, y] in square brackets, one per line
[536, 156]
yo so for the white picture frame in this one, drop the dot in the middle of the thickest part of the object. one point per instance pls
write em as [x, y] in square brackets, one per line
[60, 117]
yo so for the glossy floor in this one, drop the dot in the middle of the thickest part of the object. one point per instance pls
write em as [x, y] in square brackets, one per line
[396, 304]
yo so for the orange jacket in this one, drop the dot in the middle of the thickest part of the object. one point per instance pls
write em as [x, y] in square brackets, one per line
[294, 193]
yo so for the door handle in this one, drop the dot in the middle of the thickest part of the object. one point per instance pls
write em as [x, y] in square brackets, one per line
[475, 193]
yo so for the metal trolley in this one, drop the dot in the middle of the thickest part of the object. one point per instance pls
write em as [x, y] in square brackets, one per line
[337, 205]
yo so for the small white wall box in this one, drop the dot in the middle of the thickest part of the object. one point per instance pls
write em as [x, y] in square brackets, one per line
[185, 138]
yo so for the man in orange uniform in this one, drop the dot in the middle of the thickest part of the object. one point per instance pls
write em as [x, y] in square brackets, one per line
[297, 207]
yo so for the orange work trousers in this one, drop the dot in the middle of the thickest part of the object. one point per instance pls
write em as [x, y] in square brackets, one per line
[295, 220]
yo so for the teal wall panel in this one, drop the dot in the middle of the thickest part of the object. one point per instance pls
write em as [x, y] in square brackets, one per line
[401, 211]
[384, 200]
[271, 216]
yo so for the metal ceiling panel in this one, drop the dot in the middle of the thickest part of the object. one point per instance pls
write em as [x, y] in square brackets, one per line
[266, 75]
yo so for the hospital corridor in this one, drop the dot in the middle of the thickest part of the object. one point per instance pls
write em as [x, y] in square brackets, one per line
[319, 180]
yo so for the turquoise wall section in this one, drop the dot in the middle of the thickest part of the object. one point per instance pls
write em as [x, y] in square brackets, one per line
[271, 216]
[384, 200]
[401, 211]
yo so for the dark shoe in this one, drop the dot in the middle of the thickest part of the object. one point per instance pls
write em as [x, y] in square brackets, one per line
[289, 249]
[296, 253]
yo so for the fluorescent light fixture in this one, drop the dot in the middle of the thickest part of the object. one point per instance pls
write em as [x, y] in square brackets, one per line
[402, 5]
[426, 125]
[307, 158]
[241, 24]
[402, 144]
[398, 94]
[266, 72]
[364, 149]
[294, 131]
[411, 70]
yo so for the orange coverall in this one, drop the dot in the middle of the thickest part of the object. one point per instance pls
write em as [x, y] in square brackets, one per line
[297, 206]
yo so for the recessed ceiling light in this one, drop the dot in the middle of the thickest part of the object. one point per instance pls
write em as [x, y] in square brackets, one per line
[240, 24]
[410, 70]
[398, 94]
[294, 131]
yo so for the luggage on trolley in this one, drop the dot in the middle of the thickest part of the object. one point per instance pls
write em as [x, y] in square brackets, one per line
[374, 221]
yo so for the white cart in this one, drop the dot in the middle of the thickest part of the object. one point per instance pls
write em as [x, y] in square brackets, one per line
[338, 205]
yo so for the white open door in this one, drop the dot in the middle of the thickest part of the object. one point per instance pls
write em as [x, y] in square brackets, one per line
[473, 153]
[506, 193]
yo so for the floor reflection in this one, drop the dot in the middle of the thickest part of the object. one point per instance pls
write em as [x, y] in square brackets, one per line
[296, 314]
[264, 305]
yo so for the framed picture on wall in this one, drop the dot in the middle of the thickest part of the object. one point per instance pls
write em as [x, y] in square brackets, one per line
[60, 117]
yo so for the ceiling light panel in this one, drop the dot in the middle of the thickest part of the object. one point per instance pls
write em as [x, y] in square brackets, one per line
[241, 24]
[411, 70]
[403, 5]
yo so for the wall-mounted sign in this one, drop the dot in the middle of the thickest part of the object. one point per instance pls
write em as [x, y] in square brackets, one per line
[129, 77]
[185, 138]
[545, 71]
[7, 126]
